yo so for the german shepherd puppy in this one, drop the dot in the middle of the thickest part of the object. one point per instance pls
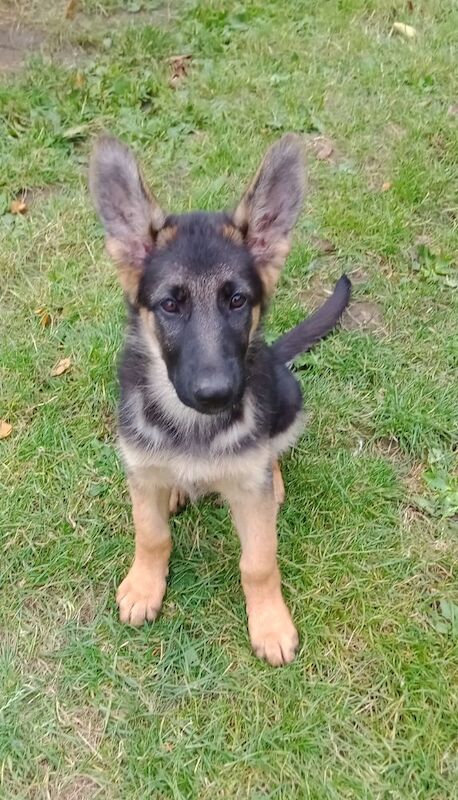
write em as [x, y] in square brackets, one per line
[206, 406]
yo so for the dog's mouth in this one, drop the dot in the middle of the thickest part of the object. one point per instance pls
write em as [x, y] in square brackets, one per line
[212, 408]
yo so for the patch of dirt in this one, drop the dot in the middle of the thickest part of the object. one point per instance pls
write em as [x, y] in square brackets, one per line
[86, 613]
[81, 787]
[84, 724]
[363, 316]
[360, 315]
[324, 246]
[323, 148]
[413, 480]
[19, 41]
[315, 294]
[395, 131]
[388, 447]
[16, 45]
[34, 28]
[358, 277]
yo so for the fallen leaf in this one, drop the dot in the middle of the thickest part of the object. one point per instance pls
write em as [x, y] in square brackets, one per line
[62, 366]
[5, 429]
[179, 66]
[407, 31]
[323, 246]
[325, 152]
[18, 206]
[45, 317]
[386, 185]
[410, 5]
[70, 11]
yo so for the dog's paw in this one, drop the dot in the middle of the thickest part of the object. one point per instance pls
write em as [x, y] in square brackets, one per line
[139, 597]
[273, 635]
[178, 500]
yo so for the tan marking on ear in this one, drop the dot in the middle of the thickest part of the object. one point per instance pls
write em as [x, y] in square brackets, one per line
[166, 235]
[231, 233]
[270, 272]
[255, 317]
[129, 274]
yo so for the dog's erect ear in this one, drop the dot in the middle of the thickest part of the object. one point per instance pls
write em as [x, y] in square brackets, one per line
[130, 214]
[270, 206]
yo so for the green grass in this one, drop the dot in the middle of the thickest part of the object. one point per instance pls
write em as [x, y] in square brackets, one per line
[368, 535]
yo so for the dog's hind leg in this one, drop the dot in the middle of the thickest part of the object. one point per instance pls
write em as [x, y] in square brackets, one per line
[139, 596]
[272, 632]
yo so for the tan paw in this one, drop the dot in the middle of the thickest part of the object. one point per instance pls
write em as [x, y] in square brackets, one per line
[139, 597]
[273, 635]
[178, 500]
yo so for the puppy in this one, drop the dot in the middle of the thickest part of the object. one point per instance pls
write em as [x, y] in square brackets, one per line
[206, 405]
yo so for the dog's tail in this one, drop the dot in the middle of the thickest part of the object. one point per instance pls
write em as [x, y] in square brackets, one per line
[301, 338]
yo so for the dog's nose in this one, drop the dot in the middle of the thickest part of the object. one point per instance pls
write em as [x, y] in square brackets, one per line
[213, 392]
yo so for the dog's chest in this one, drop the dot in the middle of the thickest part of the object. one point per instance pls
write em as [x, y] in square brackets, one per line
[197, 454]
[198, 473]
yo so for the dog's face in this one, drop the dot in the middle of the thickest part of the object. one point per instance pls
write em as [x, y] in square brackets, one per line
[203, 295]
[200, 281]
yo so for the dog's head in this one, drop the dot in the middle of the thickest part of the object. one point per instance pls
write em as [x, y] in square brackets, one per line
[199, 281]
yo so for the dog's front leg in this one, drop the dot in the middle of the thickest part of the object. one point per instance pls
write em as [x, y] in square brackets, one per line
[139, 596]
[272, 633]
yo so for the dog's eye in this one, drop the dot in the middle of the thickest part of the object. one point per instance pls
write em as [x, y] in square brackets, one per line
[169, 305]
[238, 300]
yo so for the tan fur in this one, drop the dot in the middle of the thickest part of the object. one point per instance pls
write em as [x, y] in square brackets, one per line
[149, 325]
[178, 500]
[272, 632]
[279, 486]
[139, 596]
[255, 317]
[166, 236]
[270, 271]
[232, 233]
[129, 274]
[254, 512]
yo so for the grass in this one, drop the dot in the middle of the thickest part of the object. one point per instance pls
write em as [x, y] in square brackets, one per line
[368, 535]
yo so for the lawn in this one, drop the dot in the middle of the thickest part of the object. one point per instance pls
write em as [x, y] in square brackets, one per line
[369, 531]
